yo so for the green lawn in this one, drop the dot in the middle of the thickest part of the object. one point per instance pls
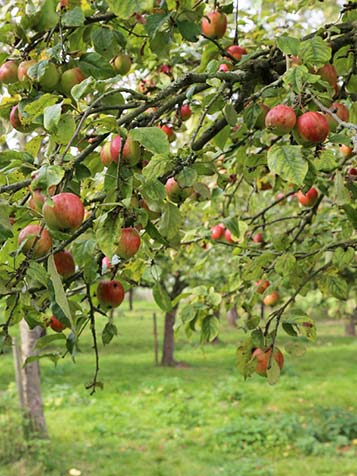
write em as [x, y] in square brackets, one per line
[201, 420]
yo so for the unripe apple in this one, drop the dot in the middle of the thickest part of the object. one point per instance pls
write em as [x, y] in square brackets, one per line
[8, 72]
[110, 293]
[261, 286]
[258, 238]
[341, 112]
[33, 234]
[169, 131]
[217, 231]
[176, 193]
[311, 128]
[70, 78]
[329, 74]
[214, 25]
[22, 71]
[105, 154]
[37, 200]
[346, 151]
[66, 212]
[185, 112]
[106, 264]
[129, 243]
[236, 51]
[260, 121]
[263, 357]
[224, 67]
[309, 199]
[153, 214]
[56, 325]
[121, 64]
[131, 154]
[271, 299]
[50, 78]
[65, 264]
[280, 119]
[16, 121]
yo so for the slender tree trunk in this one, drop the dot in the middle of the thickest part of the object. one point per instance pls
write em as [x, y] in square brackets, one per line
[169, 340]
[31, 382]
[232, 316]
[131, 299]
[350, 326]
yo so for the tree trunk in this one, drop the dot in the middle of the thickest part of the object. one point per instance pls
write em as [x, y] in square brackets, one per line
[31, 382]
[169, 340]
[350, 326]
[232, 316]
[131, 299]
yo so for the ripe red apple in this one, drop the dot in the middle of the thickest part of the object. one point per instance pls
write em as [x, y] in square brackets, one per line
[261, 286]
[176, 193]
[228, 236]
[105, 154]
[260, 121]
[16, 121]
[258, 238]
[66, 213]
[128, 243]
[110, 293]
[217, 231]
[352, 172]
[271, 299]
[185, 112]
[263, 357]
[8, 72]
[121, 64]
[37, 200]
[56, 325]
[106, 264]
[214, 25]
[236, 51]
[65, 264]
[22, 71]
[70, 78]
[280, 119]
[311, 128]
[224, 67]
[329, 74]
[341, 112]
[346, 151]
[308, 199]
[169, 131]
[166, 69]
[31, 233]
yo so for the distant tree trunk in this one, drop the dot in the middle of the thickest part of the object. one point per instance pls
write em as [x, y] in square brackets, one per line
[350, 326]
[232, 316]
[168, 346]
[131, 298]
[31, 384]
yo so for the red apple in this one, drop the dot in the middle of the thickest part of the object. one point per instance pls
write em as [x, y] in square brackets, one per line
[106, 264]
[185, 112]
[341, 112]
[110, 293]
[280, 119]
[8, 72]
[128, 243]
[66, 212]
[228, 236]
[41, 241]
[169, 131]
[16, 121]
[166, 69]
[263, 357]
[352, 172]
[37, 200]
[329, 74]
[271, 299]
[176, 193]
[56, 325]
[105, 154]
[70, 78]
[261, 286]
[236, 51]
[312, 128]
[308, 199]
[64, 263]
[258, 238]
[121, 64]
[217, 231]
[346, 151]
[224, 67]
[214, 24]
[22, 71]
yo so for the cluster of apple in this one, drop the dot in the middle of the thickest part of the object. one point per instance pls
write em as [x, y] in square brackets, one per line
[219, 232]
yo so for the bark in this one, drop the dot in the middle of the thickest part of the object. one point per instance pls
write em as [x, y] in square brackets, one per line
[350, 326]
[131, 299]
[31, 383]
[232, 316]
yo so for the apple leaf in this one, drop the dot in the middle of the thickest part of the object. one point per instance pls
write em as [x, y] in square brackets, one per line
[110, 330]
[288, 45]
[161, 297]
[45, 341]
[74, 17]
[94, 64]
[288, 162]
[60, 295]
[51, 117]
[152, 139]
[125, 8]
[314, 52]
[273, 373]
[245, 363]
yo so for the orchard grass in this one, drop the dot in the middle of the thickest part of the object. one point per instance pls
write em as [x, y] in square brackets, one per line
[199, 419]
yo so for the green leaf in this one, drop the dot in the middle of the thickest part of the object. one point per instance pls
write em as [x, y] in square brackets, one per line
[303, 323]
[152, 139]
[170, 222]
[93, 64]
[125, 8]
[37, 107]
[154, 233]
[45, 341]
[273, 373]
[47, 176]
[190, 31]
[5, 225]
[288, 45]
[65, 129]
[341, 193]
[110, 330]
[209, 329]
[287, 162]
[333, 285]
[157, 167]
[314, 52]
[245, 364]
[230, 114]
[105, 42]
[54, 357]
[83, 88]
[285, 264]
[60, 295]
[161, 297]
[38, 273]
[51, 117]
[107, 232]
[343, 258]
[296, 78]
[187, 177]
[351, 213]
[154, 190]
[74, 17]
